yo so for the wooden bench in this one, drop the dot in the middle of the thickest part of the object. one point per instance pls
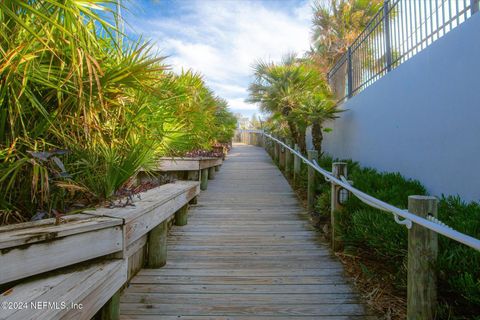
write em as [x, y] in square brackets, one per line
[124, 238]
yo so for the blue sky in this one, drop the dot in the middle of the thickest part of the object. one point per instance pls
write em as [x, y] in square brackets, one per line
[222, 38]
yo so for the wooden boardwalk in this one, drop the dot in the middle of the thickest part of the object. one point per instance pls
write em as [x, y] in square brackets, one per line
[248, 252]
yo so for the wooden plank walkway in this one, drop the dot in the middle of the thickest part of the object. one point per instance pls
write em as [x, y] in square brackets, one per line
[248, 252]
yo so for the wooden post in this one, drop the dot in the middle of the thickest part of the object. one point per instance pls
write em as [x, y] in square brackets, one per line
[193, 201]
[296, 165]
[111, 310]
[157, 246]
[281, 161]
[288, 160]
[338, 169]
[181, 216]
[193, 175]
[276, 152]
[204, 179]
[422, 257]
[312, 155]
[211, 173]
[217, 168]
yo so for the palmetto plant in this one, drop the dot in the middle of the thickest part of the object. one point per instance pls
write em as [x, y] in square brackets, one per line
[295, 93]
[225, 122]
[70, 80]
[277, 89]
[195, 106]
[317, 108]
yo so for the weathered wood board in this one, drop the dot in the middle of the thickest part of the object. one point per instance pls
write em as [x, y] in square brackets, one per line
[42, 246]
[37, 247]
[187, 164]
[45, 230]
[87, 286]
[157, 205]
[31, 248]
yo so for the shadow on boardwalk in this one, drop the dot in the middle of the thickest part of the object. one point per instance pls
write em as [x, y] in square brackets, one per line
[248, 252]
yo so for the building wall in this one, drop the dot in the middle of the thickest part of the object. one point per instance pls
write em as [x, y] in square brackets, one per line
[422, 119]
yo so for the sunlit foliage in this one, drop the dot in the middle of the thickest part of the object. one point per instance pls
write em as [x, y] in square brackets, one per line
[83, 108]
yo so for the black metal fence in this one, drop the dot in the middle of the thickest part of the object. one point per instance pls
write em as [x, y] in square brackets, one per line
[399, 30]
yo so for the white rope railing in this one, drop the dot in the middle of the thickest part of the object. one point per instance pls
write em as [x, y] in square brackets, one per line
[430, 223]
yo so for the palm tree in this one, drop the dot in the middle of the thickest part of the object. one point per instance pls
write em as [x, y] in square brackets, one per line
[336, 24]
[293, 92]
[276, 88]
[317, 107]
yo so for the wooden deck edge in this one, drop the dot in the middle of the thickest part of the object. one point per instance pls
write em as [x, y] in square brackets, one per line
[75, 293]
[187, 164]
[41, 246]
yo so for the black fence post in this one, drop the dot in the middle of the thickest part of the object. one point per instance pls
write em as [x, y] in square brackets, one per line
[349, 73]
[388, 47]
[474, 6]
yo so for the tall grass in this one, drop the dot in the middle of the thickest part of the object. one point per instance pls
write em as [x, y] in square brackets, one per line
[70, 81]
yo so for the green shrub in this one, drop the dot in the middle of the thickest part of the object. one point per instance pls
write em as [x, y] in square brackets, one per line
[302, 181]
[365, 229]
[458, 265]
[323, 201]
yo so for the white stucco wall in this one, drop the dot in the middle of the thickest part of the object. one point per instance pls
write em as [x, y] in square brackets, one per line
[422, 119]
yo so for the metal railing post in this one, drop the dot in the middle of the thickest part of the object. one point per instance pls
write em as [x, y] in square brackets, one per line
[388, 46]
[349, 73]
[474, 6]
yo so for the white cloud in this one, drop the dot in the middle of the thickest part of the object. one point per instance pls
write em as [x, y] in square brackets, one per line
[223, 39]
[228, 90]
[238, 104]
